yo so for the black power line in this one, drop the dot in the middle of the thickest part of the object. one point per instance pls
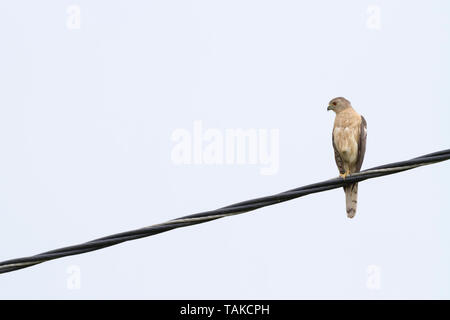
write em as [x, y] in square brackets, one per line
[234, 209]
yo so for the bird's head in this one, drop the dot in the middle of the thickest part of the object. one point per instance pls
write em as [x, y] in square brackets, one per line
[339, 104]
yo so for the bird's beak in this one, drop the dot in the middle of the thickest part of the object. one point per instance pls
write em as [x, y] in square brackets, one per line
[329, 108]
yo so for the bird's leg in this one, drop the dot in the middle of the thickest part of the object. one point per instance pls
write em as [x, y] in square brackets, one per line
[345, 174]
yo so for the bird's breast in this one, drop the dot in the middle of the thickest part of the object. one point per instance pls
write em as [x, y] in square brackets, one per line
[346, 143]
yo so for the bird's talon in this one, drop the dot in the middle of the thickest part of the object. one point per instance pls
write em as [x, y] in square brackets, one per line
[344, 175]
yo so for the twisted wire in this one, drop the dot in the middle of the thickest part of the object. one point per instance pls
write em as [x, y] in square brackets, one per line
[234, 209]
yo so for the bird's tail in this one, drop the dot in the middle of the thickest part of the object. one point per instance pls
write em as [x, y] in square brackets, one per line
[351, 199]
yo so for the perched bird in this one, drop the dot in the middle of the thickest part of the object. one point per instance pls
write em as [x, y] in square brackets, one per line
[349, 144]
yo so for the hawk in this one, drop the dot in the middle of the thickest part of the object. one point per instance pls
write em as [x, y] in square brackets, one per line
[349, 144]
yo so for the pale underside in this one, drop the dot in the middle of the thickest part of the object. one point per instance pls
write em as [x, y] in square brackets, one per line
[348, 142]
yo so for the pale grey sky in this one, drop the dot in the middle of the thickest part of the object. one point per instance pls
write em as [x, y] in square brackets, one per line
[93, 91]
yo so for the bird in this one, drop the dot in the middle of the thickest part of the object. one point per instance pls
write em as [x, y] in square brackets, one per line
[349, 143]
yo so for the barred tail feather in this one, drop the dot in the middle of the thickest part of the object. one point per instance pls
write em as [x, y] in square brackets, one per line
[351, 199]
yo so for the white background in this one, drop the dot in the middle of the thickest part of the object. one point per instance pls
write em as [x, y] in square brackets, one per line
[86, 118]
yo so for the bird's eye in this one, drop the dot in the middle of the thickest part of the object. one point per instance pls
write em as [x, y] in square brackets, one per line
[334, 103]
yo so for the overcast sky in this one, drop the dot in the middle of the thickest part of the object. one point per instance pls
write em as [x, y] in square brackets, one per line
[115, 115]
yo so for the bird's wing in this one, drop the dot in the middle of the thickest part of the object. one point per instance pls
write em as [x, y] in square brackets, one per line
[361, 144]
[337, 157]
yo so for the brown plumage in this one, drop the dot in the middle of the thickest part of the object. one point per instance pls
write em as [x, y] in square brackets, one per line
[349, 144]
